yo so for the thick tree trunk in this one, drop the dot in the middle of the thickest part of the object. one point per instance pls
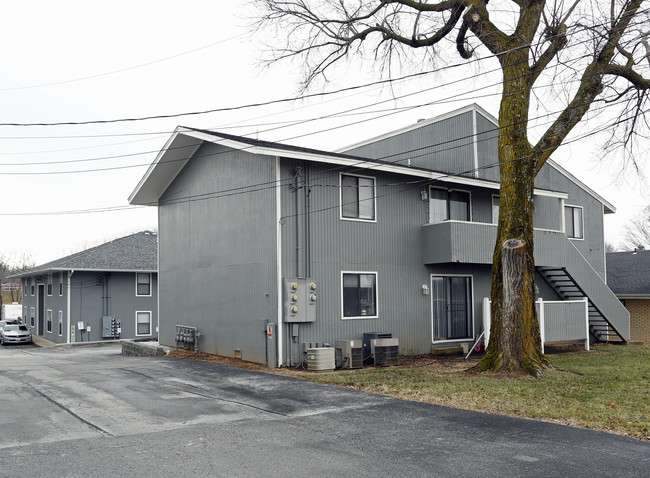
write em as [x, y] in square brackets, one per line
[515, 345]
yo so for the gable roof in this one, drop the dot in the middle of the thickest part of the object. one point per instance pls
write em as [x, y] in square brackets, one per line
[609, 208]
[137, 252]
[628, 273]
[185, 141]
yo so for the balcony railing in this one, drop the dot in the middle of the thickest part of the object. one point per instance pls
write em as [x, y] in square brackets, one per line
[473, 243]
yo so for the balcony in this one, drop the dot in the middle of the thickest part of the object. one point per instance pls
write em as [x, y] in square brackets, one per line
[473, 243]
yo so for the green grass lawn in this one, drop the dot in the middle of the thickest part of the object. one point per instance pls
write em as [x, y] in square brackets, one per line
[607, 388]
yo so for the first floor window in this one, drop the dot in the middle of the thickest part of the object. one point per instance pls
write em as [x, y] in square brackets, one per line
[60, 322]
[357, 197]
[31, 316]
[143, 286]
[573, 222]
[359, 294]
[49, 320]
[143, 323]
[452, 307]
[447, 205]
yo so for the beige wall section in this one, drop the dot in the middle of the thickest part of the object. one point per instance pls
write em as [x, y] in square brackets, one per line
[639, 320]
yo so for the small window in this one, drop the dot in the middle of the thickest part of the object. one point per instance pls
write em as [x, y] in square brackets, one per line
[31, 316]
[357, 197]
[49, 285]
[49, 320]
[359, 295]
[60, 283]
[60, 323]
[496, 202]
[143, 323]
[24, 287]
[143, 286]
[33, 287]
[573, 222]
[447, 205]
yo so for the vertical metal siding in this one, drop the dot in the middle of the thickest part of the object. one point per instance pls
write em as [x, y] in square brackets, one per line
[487, 146]
[446, 145]
[217, 251]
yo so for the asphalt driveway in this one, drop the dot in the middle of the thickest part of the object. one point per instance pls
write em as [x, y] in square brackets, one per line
[81, 411]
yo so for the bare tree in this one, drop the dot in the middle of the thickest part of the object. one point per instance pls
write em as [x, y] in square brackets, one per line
[637, 232]
[601, 46]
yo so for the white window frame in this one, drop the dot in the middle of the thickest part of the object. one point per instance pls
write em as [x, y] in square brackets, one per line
[33, 286]
[60, 325]
[357, 317]
[374, 198]
[50, 287]
[150, 284]
[32, 317]
[150, 322]
[469, 204]
[495, 220]
[471, 305]
[60, 284]
[582, 217]
[48, 325]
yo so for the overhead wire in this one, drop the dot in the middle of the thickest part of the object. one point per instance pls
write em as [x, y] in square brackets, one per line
[274, 184]
[277, 101]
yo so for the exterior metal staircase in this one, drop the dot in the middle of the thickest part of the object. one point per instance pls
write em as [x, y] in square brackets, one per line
[600, 328]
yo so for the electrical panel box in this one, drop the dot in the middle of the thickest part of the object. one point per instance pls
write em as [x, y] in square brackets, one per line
[111, 327]
[349, 354]
[299, 300]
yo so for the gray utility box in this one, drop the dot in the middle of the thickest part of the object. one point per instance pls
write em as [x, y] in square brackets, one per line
[385, 352]
[111, 327]
[349, 354]
[299, 300]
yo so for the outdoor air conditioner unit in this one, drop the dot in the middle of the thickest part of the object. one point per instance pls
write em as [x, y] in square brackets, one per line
[321, 358]
[349, 354]
[385, 352]
[367, 338]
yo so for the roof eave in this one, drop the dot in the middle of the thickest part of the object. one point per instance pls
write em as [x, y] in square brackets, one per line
[169, 161]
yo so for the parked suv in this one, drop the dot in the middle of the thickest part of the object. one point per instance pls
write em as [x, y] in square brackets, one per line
[15, 334]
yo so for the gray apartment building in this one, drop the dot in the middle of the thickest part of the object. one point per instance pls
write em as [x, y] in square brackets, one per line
[105, 292]
[392, 235]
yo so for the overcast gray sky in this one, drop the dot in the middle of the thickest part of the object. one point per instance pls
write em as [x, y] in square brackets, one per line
[78, 61]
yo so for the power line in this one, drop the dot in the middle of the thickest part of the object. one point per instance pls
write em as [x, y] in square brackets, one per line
[274, 184]
[283, 100]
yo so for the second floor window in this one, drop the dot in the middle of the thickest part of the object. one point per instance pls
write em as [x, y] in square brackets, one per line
[573, 224]
[143, 286]
[447, 205]
[357, 197]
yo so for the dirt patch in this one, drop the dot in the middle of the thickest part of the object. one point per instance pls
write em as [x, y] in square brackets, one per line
[438, 364]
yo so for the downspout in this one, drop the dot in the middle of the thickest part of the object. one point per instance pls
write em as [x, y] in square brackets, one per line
[68, 303]
[278, 256]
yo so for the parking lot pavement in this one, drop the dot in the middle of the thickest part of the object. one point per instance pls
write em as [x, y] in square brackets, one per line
[75, 411]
